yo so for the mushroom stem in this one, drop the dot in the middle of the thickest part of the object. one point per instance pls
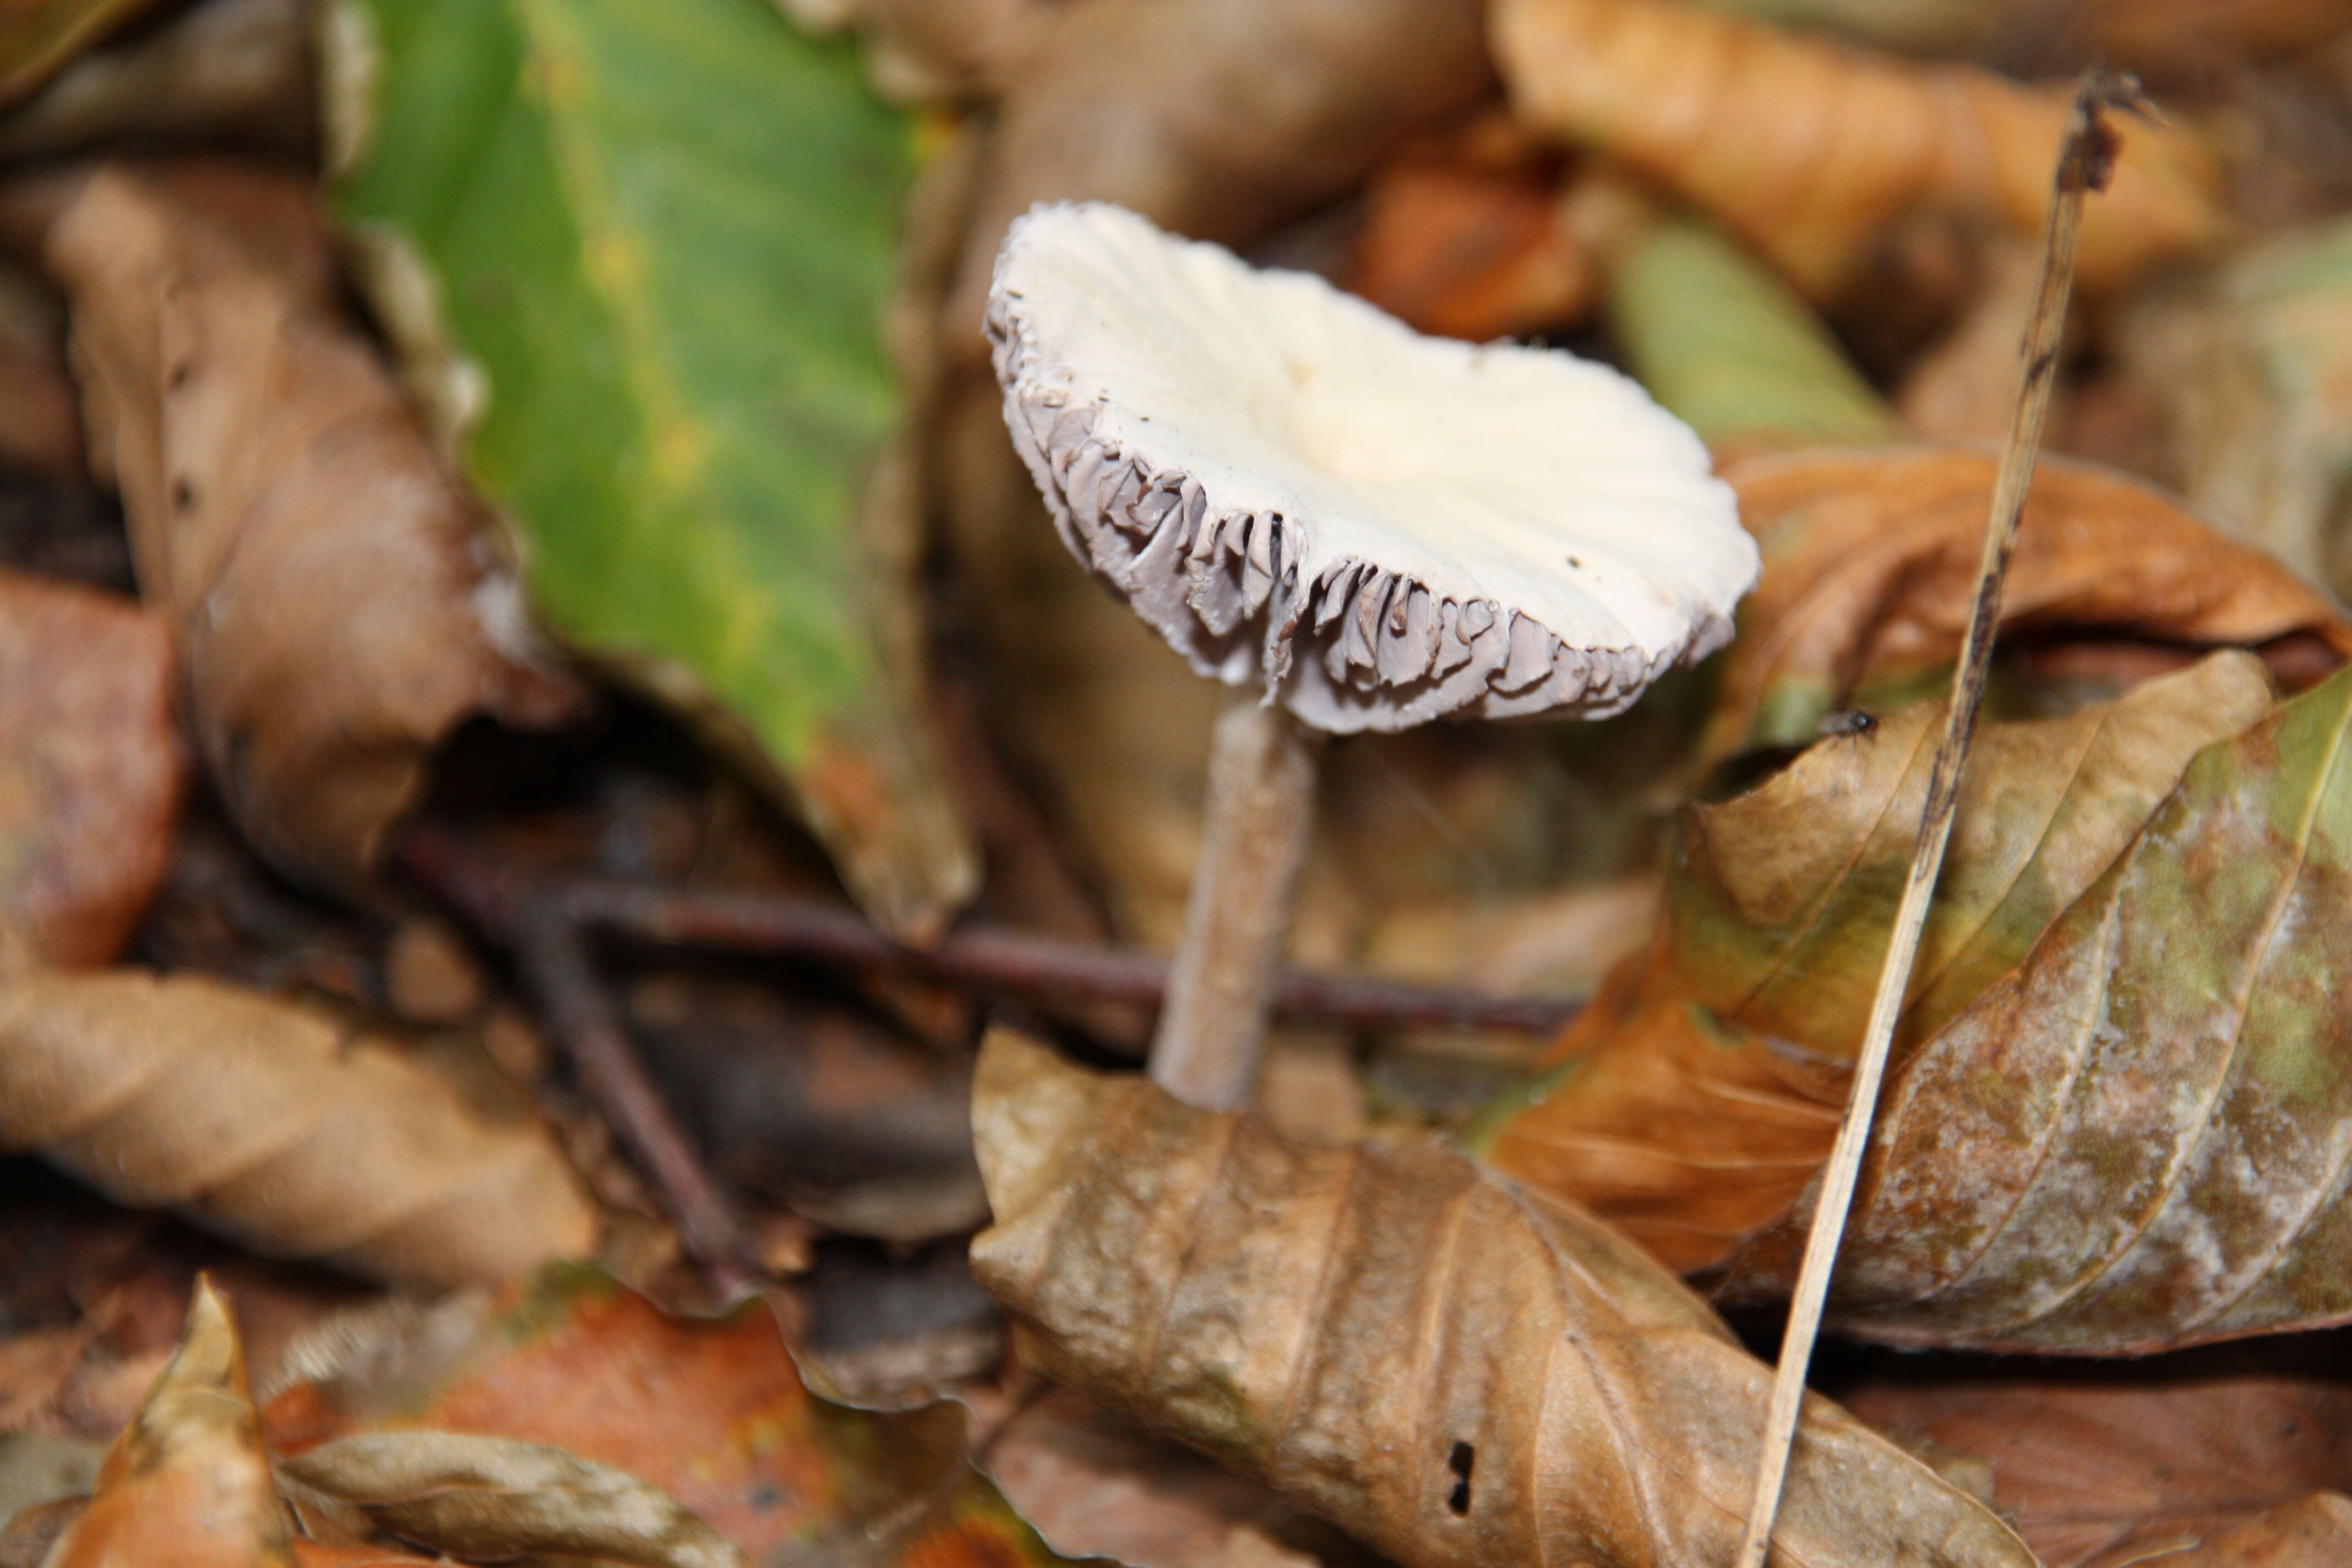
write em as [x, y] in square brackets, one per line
[1261, 812]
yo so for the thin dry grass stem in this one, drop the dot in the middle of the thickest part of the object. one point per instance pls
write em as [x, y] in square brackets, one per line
[2085, 160]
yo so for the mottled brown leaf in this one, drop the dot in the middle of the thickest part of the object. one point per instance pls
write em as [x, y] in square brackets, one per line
[2109, 1465]
[1782, 897]
[269, 1122]
[2142, 1135]
[91, 767]
[1811, 149]
[1407, 1344]
[336, 599]
[1696, 1099]
[1870, 563]
[186, 1483]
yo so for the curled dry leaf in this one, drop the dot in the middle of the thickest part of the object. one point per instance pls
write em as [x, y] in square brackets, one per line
[711, 1413]
[267, 1121]
[91, 767]
[492, 1498]
[1810, 149]
[1168, 110]
[2100, 1466]
[186, 1483]
[1871, 564]
[1407, 1344]
[336, 606]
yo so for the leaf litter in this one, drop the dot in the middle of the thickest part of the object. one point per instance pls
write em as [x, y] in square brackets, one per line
[2114, 1123]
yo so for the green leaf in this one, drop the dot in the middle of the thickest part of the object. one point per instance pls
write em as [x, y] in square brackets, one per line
[660, 232]
[1720, 339]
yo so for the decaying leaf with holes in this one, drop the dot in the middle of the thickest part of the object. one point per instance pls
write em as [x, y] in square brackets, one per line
[1456, 1371]
[708, 1413]
[186, 1483]
[1696, 1099]
[336, 606]
[1870, 566]
[269, 1121]
[91, 766]
[1811, 149]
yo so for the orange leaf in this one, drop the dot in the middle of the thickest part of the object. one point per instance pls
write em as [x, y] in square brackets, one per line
[2100, 1470]
[91, 767]
[1811, 148]
[1869, 565]
[711, 1412]
[186, 1483]
[1471, 247]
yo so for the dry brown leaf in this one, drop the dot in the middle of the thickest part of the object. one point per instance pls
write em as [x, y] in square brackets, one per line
[91, 766]
[494, 1499]
[1095, 1484]
[711, 1412]
[1468, 237]
[269, 1121]
[1964, 389]
[1871, 563]
[1684, 1131]
[2315, 1533]
[1811, 149]
[223, 72]
[2141, 1136]
[1172, 108]
[39, 36]
[2103, 1465]
[1782, 897]
[338, 608]
[1406, 1344]
[2122, 1130]
[186, 1483]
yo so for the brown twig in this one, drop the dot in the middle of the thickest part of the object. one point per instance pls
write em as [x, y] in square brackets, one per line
[2085, 162]
[1002, 962]
[553, 958]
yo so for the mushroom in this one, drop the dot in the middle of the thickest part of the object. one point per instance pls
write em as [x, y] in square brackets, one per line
[1376, 528]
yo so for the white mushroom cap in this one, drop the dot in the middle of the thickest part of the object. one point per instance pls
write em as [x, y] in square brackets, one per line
[1383, 528]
